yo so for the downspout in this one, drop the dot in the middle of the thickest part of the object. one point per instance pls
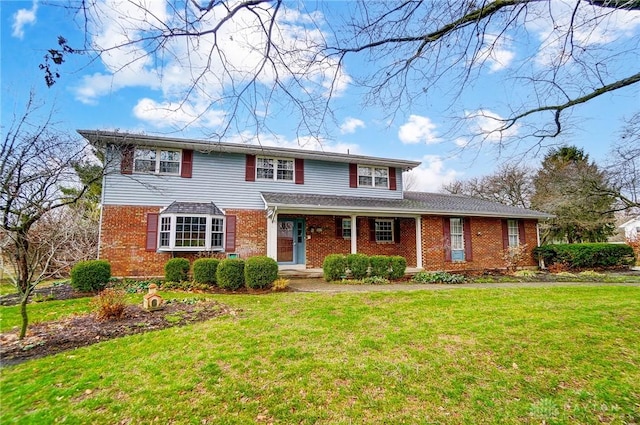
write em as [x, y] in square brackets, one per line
[540, 260]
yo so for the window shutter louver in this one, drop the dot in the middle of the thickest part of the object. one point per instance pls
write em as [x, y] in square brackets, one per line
[152, 232]
[521, 234]
[468, 250]
[338, 227]
[446, 233]
[396, 230]
[230, 234]
[353, 175]
[299, 166]
[505, 234]
[372, 229]
[250, 169]
[126, 163]
[392, 178]
[187, 163]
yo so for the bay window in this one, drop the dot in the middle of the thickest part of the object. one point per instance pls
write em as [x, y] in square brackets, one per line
[191, 233]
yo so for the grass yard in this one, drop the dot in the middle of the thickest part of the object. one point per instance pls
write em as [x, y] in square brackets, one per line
[531, 355]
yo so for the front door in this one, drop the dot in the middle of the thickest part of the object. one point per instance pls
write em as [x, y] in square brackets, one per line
[291, 241]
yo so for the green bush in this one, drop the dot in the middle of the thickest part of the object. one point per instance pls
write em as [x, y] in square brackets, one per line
[260, 272]
[398, 267]
[204, 270]
[91, 275]
[230, 274]
[438, 277]
[358, 264]
[380, 266]
[334, 267]
[176, 270]
[586, 255]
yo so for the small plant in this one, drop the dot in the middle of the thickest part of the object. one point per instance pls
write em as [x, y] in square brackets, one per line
[260, 272]
[91, 275]
[358, 265]
[184, 286]
[280, 284]
[380, 265]
[204, 270]
[176, 270]
[375, 280]
[39, 298]
[398, 267]
[515, 257]
[230, 274]
[438, 277]
[109, 304]
[334, 267]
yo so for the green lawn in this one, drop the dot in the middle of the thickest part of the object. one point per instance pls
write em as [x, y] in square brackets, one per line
[544, 355]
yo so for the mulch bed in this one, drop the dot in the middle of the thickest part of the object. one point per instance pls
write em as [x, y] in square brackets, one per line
[52, 337]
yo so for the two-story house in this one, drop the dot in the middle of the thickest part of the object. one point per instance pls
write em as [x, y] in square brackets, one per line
[165, 197]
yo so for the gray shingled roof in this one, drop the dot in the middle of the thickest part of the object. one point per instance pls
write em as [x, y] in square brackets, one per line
[413, 203]
[208, 208]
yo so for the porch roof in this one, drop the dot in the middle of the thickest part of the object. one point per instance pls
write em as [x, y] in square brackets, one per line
[413, 203]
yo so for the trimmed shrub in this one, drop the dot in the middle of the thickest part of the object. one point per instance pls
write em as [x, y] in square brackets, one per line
[204, 270]
[438, 277]
[91, 275]
[358, 264]
[260, 272]
[176, 270]
[586, 255]
[398, 267]
[334, 267]
[230, 274]
[380, 265]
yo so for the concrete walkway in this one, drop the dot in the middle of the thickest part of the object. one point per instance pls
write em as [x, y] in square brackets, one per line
[319, 285]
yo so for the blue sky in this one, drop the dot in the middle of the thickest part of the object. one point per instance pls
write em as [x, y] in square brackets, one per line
[91, 95]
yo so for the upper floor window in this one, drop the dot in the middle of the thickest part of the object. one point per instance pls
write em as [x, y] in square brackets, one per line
[513, 233]
[186, 232]
[159, 161]
[373, 176]
[384, 230]
[274, 169]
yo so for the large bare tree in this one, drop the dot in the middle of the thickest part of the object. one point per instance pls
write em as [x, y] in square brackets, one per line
[240, 66]
[35, 162]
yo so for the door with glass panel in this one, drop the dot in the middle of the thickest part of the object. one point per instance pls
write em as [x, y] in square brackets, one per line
[291, 241]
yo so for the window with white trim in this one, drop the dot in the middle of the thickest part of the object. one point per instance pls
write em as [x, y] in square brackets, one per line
[346, 228]
[513, 233]
[274, 169]
[373, 176]
[384, 230]
[158, 161]
[191, 233]
[457, 238]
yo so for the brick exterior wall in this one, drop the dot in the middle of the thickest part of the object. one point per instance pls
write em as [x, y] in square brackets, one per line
[123, 236]
[486, 242]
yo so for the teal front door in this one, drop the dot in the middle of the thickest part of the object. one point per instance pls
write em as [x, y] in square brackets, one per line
[291, 241]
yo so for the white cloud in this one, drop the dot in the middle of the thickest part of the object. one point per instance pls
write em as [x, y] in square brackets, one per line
[306, 143]
[175, 115]
[418, 129]
[487, 125]
[430, 175]
[496, 51]
[350, 125]
[24, 17]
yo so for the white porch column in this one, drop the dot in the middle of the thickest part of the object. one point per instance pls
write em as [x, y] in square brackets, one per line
[272, 236]
[354, 235]
[419, 242]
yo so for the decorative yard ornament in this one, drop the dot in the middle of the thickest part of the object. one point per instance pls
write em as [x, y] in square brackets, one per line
[152, 301]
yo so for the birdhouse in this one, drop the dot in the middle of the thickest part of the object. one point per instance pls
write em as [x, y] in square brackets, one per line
[152, 301]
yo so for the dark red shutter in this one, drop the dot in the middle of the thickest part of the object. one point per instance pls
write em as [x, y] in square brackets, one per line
[299, 166]
[250, 170]
[392, 178]
[521, 232]
[505, 234]
[126, 164]
[353, 175]
[372, 229]
[230, 237]
[152, 232]
[187, 163]
[466, 229]
[446, 233]
[339, 227]
[396, 230]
